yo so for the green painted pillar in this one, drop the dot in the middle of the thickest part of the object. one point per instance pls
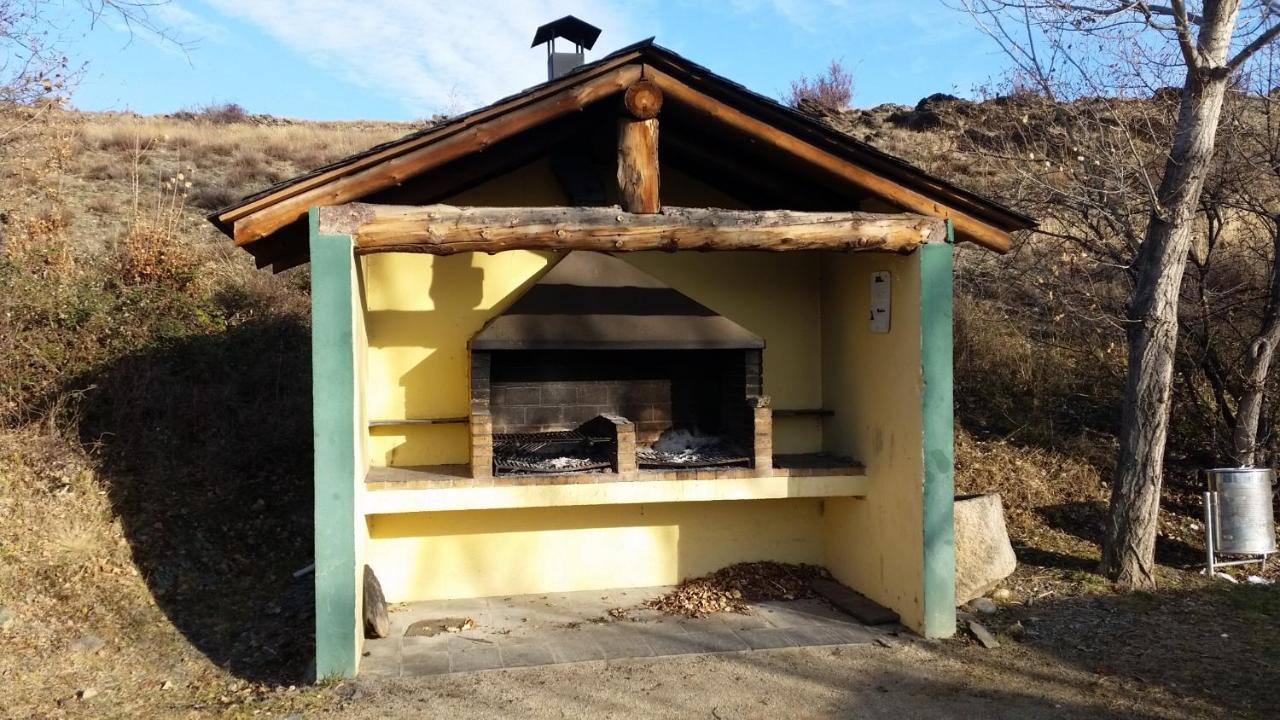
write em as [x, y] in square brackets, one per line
[936, 363]
[333, 396]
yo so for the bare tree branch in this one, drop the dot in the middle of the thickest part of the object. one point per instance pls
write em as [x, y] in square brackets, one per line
[1252, 48]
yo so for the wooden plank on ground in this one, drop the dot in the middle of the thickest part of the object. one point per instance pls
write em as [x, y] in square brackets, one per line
[855, 604]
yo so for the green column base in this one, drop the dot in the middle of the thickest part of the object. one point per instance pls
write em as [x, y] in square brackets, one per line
[333, 394]
[936, 359]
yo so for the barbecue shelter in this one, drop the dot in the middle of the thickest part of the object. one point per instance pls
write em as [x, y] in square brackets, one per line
[625, 327]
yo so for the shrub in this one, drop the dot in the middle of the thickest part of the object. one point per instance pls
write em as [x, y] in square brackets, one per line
[105, 171]
[104, 204]
[213, 197]
[249, 172]
[832, 89]
[224, 113]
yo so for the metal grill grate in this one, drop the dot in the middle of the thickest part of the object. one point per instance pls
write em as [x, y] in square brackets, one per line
[529, 463]
[553, 452]
[709, 457]
[535, 441]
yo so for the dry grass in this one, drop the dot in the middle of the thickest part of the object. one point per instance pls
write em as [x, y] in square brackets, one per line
[224, 161]
[209, 146]
[82, 615]
[123, 309]
[154, 459]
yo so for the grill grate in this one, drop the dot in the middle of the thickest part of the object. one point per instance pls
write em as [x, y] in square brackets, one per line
[522, 463]
[535, 441]
[552, 452]
[709, 457]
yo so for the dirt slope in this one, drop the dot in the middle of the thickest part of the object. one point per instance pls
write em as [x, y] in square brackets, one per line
[154, 471]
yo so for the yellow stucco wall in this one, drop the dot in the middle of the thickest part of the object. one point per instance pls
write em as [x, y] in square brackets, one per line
[421, 310]
[811, 309]
[875, 544]
[360, 343]
[774, 295]
[425, 556]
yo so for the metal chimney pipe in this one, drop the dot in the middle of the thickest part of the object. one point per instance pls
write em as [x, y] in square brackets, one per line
[561, 63]
[582, 35]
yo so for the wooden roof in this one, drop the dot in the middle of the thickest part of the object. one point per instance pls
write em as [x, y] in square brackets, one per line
[720, 114]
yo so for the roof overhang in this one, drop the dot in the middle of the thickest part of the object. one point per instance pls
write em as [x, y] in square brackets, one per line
[271, 224]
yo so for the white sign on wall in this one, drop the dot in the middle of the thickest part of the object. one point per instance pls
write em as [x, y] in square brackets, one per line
[880, 295]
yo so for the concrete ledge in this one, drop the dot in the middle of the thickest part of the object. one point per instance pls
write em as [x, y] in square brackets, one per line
[391, 500]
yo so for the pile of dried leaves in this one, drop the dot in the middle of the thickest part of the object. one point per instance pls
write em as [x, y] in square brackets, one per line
[729, 589]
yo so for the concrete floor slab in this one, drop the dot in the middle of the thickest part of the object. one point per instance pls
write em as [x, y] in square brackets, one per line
[473, 658]
[524, 654]
[575, 647]
[620, 642]
[767, 638]
[698, 641]
[417, 661]
[529, 630]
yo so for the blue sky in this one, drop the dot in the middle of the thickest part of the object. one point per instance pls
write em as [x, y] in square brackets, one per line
[409, 59]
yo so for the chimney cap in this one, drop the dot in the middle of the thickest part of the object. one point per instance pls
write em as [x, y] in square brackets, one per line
[578, 32]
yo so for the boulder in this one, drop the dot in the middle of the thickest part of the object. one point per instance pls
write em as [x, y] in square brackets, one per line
[377, 623]
[984, 556]
[918, 120]
[936, 99]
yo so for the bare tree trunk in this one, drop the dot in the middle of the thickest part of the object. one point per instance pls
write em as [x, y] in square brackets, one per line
[1257, 363]
[1128, 552]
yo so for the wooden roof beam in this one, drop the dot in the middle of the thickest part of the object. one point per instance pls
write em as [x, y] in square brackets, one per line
[732, 174]
[447, 230]
[268, 219]
[638, 177]
[412, 142]
[967, 227]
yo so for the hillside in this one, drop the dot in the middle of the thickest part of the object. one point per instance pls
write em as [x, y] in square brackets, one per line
[155, 460]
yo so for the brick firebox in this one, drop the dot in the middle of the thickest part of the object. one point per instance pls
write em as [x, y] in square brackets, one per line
[645, 392]
[596, 339]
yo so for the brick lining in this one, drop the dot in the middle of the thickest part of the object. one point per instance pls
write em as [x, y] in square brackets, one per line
[644, 392]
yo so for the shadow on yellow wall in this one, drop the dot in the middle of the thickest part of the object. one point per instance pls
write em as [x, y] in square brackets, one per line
[422, 312]
[424, 556]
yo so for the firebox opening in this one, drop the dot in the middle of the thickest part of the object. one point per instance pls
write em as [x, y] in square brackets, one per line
[685, 408]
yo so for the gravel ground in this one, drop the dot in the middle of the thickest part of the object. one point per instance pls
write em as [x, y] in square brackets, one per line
[912, 680]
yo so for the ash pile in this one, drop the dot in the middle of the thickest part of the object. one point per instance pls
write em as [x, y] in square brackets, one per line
[682, 448]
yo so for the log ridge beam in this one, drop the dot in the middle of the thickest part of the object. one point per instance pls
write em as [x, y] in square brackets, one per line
[447, 230]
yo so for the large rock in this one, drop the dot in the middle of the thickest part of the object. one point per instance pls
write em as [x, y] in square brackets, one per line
[377, 623]
[984, 556]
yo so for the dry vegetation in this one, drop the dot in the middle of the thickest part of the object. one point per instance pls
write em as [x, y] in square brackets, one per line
[153, 455]
[154, 431]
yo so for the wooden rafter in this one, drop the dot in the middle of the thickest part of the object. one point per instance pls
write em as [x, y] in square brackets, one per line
[404, 145]
[447, 230]
[758, 184]
[967, 226]
[837, 171]
[388, 173]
